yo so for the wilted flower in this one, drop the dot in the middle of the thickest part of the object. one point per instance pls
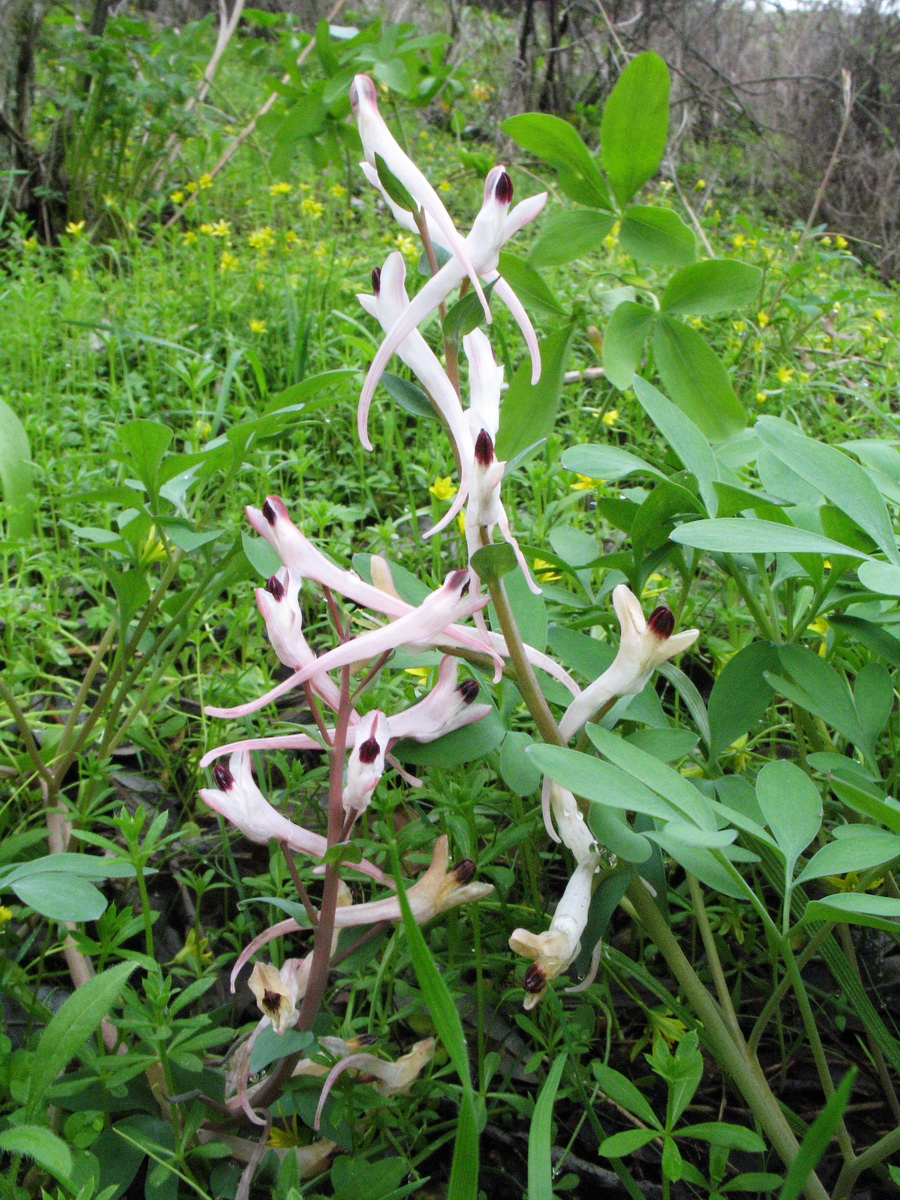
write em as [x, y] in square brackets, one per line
[554, 951]
[392, 1078]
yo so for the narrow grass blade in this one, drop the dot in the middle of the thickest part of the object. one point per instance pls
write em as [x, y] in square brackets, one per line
[464, 1170]
[540, 1135]
[817, 1138]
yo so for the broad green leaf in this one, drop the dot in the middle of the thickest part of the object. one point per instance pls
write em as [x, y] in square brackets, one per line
[623, 1092]
[817, 1139]
[690, 835]
[519, 773]
[668, 745]
[453, 749]
[464, 1168]
[570, 235]
[674, 788]
[607, 463]
[15, 473]
[599, 782]
[857, 908]
[873, 698]
[626, 1142]
[836, 475]
[530, 286]
[869, 849]
[530, 610]
[270, 1046]
[712, 286]
[69, 1029]
[872, 636]
[827, 693]
[703, 863]
[493, 562]
[41, 1145]
[792, 806]
[685, 438]
[880, 577]
[746, 535]
[866, 798]
[260, 555]
[61, 897]
[693, 375]
[741, 694]
[657, 237]
[528, 411]
[635, 125]
[465, 315]
[394, 187]
[623, 342]
[540, 1135]
[611, 830]
[556, 142]
[408, 395]
[146, 443]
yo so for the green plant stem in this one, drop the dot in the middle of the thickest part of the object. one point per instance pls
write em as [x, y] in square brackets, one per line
[815, 1042]
[31, 746]
[712, 957]
[875, 1154]
[782, 988]
[749, 599]
[93, 667]
[746, 1075]
[525, 677]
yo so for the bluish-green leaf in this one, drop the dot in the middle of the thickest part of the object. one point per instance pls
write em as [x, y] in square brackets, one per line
[869, 849]
[746, 535]
[694, 377]
[556, 142]
[657, 237]
[61, 897]
[599, 782]
[683, 435]
[635, 125]
[528, 411]
[607, 463]
[857, 908]
[792, 806]
[715, 285]
[741, 694]
[623, 342]
[836, 475]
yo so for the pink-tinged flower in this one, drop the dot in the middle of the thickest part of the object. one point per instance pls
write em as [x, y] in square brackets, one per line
[240, 801]
[484, 509]
[366, 763]
[279, 604]
[644, 646]
[423, 627]
[338, 1049]
[554, 951]
[378, 141]
[278, 992]
[493, 226]
[434, 892]
[391, 1078]
[387, 305]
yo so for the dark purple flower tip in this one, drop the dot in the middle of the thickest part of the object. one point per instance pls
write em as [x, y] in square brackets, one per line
[223, 776]
[369, 750]
[376, 280]
[275, 588]
[468, 690]
[503, 189]
[534, 980]
[368, 1039]
[270, 1003]
[484, 449]
[459, 581]
[269, 512]
[661, 622]
[464, 871]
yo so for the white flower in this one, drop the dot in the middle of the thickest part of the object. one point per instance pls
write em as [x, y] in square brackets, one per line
[278, 992]
[644, 645]
[366, 763]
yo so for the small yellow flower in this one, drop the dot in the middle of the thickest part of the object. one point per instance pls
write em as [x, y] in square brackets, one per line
[762, 319]
[291, 238]
[826, 241]
[407, 246]
[481, 91]
[584, 483]
[738, 240]
[785, 374]
[696, 322]
[203, 428]
[699, 185]
[757, 346]
[443, 488]
[762, 397]
[205, 181]
[75, 228]
[262, 239]
[228, 261]
[30, 243]
[310, 207]
[206, 227]
[189, 236]
[320, 250]
[190, 186]
[878, 314]
[840, 242]
[444, 185]
[337, 190]
[418, 672]
[177, 196]
[738, 326]
[279, 189]
[5, 914]
[612, 238]
[850, 882]
[610, 417]
[220, 228]
[544, 572]
[257, 326]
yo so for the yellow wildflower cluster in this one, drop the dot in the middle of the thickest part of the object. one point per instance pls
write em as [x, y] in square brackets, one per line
[443, 488]
[261, 240]
[310, 207]
[279, 189]
[218, 228]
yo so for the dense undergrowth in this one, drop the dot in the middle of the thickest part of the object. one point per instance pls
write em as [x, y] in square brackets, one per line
[210, 329]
